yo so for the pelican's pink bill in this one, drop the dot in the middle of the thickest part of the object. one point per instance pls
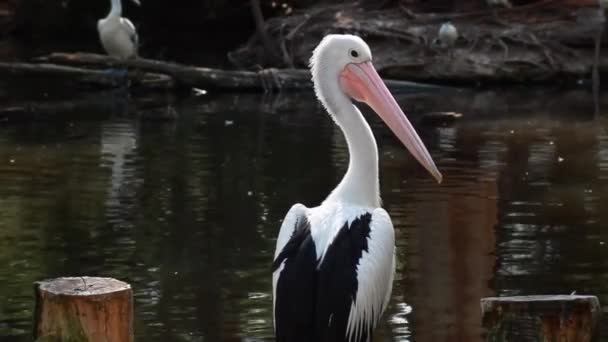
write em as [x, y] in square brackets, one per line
[362, 82]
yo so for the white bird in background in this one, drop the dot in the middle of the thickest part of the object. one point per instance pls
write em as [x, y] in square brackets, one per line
[448, 34]
[334, 264]
[117, 34]
[118, 142]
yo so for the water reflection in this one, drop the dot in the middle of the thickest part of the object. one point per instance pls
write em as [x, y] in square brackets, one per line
[118, 143]
[187, 209]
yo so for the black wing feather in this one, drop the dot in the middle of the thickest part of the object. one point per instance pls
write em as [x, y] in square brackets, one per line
[337, 284]
[313, 301]
[296, 292]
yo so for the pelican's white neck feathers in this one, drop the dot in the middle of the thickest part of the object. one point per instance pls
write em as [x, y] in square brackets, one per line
[360, 184]
[342, 70]
[116, 10]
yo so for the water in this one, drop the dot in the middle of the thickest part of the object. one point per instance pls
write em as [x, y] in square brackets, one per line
[187, 209]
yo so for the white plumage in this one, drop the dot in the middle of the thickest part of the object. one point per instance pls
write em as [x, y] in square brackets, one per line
[375, 276]
[334, 264]
[376, 267]
[448, 34]
[117, 34]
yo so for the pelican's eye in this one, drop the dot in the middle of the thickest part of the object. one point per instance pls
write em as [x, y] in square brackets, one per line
[354, 53]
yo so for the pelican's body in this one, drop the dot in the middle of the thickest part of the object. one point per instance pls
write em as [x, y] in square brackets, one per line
[448, 34]
[117, 34]
[334, 264]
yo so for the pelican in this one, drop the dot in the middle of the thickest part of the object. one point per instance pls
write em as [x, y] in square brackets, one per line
[334, 264]
[117, 34]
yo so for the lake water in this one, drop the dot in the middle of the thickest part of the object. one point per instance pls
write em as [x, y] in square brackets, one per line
[183, 196]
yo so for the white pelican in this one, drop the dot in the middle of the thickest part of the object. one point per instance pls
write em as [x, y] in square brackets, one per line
[334, 264]
[117, 34]
[448, 34]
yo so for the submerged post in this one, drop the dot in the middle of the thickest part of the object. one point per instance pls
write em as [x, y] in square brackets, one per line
[83, 309]
[541, 318]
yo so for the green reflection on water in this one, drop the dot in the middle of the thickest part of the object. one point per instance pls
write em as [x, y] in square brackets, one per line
[187, 210]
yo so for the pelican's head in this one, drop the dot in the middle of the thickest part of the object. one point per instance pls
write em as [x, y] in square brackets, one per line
[448, 34]
[342, 68]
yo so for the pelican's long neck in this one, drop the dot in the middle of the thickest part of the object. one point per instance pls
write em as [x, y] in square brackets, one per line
[360, 184]
[116, 10]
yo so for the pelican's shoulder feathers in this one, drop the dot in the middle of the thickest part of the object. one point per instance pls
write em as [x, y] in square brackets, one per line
[130, 29]
[128, 25]
[296, 216]
[328, 219]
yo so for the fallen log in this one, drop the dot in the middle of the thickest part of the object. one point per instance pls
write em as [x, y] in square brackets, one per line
[86, 77]
[77, 74]
[209, 78]
[192, 76]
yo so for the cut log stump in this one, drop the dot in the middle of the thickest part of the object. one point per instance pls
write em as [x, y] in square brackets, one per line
[560, 318]
[82, 309]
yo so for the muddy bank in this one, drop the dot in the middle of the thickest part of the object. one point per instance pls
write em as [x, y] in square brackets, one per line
[533, 42]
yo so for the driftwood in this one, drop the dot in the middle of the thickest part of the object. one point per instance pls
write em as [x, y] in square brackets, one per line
[192, 76]
[536, 42]
[541, 318]
[85, 67]
[83, 309]
[85, 77]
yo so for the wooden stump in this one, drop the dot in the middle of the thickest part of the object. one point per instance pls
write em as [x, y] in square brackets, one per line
[83, 309]
[541, 318]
